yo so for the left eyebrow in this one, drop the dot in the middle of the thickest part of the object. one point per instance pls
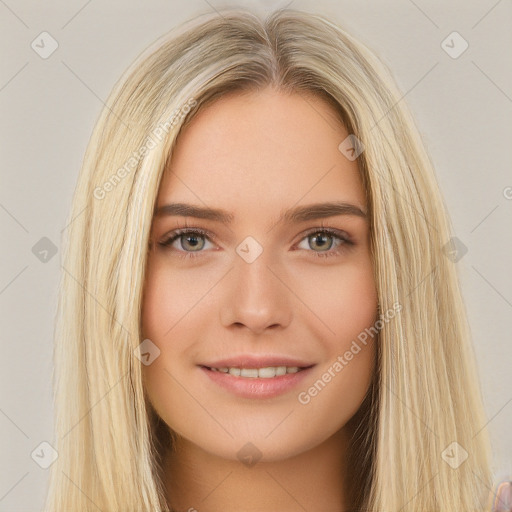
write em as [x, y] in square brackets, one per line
[293, 215]
[320, 211]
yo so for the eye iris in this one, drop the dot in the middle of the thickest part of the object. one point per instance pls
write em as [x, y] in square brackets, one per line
[194, 239]
[321, 236]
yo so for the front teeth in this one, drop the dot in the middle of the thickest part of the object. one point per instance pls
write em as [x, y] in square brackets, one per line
[262, 373]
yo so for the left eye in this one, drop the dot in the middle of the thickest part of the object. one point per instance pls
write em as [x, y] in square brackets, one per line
[192, 241]
[320, 238]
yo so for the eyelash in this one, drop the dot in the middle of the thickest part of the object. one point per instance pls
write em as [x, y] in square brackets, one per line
[346, 242]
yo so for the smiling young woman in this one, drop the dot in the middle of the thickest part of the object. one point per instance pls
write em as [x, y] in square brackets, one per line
[256, 312]
[244, 337]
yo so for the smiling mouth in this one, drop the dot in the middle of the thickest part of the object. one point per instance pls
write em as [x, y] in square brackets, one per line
[268, 372]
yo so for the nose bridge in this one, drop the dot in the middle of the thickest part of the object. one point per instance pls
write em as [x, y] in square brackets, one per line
[256, 298]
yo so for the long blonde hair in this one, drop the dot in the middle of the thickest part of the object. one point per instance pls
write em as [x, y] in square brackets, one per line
[426, 394]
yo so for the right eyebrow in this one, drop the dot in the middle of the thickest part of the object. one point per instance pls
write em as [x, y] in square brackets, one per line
[189, 210]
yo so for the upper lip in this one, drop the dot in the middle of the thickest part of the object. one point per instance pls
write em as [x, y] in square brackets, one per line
[255, 361]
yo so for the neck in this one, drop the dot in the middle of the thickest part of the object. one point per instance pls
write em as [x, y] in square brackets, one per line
[313, 480]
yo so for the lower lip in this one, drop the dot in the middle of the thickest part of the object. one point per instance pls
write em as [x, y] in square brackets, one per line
[247, 387]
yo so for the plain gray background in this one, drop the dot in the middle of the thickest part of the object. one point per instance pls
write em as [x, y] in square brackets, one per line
[463, 107]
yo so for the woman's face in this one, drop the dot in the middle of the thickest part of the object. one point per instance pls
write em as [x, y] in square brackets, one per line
[262, 285]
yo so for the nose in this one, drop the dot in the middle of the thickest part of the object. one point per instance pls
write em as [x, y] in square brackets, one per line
[256, 297]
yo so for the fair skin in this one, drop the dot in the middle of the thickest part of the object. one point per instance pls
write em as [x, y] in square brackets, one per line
[257, 155]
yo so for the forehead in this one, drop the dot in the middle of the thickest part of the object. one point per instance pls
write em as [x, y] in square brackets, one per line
[257, 152]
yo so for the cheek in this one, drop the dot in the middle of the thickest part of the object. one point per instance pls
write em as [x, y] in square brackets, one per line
[348, 304]
[346, 300]
[174, 296]
[159, 377]
[164, 299]
[171, 314]
[156, 318]
[336, 391]
[154, 300]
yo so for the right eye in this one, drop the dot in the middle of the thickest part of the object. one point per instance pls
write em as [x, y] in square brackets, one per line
[191, 241]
